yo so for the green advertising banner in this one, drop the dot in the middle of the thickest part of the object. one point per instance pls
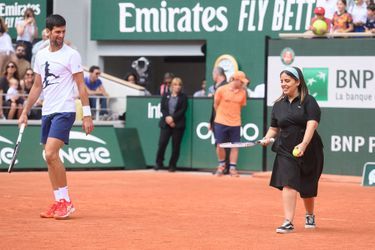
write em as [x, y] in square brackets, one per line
[12, 12]
[342, 80]
[197, 149]
[237, 28]
[98, 150]
[144, 114]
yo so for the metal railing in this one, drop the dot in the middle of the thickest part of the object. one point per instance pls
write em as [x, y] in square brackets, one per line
[98, 113]
[327, 35]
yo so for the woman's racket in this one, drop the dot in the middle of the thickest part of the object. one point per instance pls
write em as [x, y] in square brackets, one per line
[16, 148]
[243, 144]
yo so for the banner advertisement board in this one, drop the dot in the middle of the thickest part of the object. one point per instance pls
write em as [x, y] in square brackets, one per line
[197, 148]
[100, 149]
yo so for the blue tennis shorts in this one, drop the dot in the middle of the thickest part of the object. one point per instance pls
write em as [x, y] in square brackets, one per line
[225, 133]
[57, 125]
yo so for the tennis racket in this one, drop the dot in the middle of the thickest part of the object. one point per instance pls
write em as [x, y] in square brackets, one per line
[243, 144]
[16, 148]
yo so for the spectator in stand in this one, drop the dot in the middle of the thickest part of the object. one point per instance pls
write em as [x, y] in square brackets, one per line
[370, 23]
[165, 85]
[11, 72]
[131, 77]
[6, 47]
[329, 7]
[202, 92]
[27, 31]
[359, 14]
[26, 84]
[14, 100]
[27, 81]
[319, 15]
[95, 88]
[342, 21]
[39, 45]
[22, 63]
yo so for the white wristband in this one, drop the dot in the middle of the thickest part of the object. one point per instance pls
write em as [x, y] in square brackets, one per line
[86, 111]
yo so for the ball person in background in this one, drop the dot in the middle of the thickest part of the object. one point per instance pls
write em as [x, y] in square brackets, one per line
[57, 69]
[172, 123]
[228, 103]
[295, 118]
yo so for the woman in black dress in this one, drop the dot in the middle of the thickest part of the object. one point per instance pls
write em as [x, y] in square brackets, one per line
[295, 117]
[172, 123]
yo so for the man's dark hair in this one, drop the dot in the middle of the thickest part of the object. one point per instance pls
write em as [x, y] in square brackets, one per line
[55, 20]
[220, 71]
[93, 68]
[371, 7]
[21, 44]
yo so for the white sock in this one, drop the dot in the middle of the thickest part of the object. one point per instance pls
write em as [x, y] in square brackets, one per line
[64, 193]
[57, 195]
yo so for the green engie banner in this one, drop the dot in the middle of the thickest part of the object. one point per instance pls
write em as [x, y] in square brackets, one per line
[340, 74]
[100, 149]
[12, 11]
[197, 149]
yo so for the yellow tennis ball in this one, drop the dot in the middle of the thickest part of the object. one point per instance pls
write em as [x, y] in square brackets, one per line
[296, 152]
[321, 27]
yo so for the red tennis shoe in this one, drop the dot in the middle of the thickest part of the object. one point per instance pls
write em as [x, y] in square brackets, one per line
[64, 210]
[51, 211]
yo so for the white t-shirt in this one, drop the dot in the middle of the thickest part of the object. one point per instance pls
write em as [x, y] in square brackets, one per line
[12, 92]
[56, 70]
[329, 7]
[359, 13]
[6, 43]
[28, 32]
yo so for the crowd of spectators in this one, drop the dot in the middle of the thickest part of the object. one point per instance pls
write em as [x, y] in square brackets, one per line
[344, 16]
[16, 74]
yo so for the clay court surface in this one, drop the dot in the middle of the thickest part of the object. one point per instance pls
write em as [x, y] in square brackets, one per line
[161, 210]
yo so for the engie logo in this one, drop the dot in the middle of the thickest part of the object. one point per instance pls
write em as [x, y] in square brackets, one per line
[6, 153]
[85, 155]
[249, 132]
[317, 82]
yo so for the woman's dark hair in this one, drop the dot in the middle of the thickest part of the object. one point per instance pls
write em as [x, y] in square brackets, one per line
[15, 75]
[344, 2]
[302, 88]
[131, 74]
[27, 70]
[28, 13]
[55, 20]
[3, 26]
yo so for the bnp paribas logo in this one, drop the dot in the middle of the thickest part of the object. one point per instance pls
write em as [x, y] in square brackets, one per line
[317, 82]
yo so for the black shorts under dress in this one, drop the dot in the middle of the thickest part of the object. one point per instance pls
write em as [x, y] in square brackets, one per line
[303, 173]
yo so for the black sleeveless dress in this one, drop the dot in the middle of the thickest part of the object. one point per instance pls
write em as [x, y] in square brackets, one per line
[303, 173]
